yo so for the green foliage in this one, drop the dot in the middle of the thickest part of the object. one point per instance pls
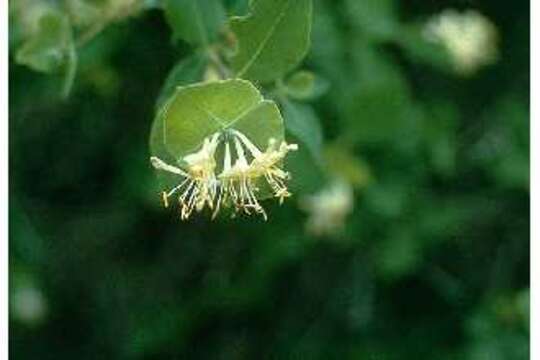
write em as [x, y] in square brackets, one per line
[48, 49]
[376, 19]
[304, 85]
[51, 48]
[197, 22]
[302, 122]
[272, 39]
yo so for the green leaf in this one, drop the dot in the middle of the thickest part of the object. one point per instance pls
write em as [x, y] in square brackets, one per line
[308, 176]
[440, 130]
[272, 39]
[197, 111]
[398, 255]
[47, 50]
[301, 121]
[343, 164]
[304, 85]
[375, 18]
[378, 105]
[188, 70]
[196, 21]
[237, 7]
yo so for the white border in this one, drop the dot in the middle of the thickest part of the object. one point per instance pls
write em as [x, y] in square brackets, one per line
[535, 177]
[4, 256]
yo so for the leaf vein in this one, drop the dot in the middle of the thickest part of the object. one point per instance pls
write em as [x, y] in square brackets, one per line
[262, 45]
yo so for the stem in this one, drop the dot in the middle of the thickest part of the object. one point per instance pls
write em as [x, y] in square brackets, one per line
[71, 70]
[223, 70]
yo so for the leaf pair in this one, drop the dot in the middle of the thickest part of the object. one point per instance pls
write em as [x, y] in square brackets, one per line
[270, 41]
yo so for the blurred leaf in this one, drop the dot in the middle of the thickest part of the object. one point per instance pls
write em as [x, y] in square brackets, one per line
[51, 48]
[83, 12]
[378, 104]
[307, 175]
[440, 131]
[237, 7]
[386, 199]
[195, 21]
[301, 121]
[48, 49]
[304, 85]
[272, 39]
[375, 18]
[197, 111]
[329, 43]
[503, 149]
[398, 255]
[342, 163]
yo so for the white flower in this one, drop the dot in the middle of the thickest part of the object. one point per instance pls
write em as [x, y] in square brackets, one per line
[328, 209]
[237, 182]
[469, 37]
[28, 304]
[236, 185]
[268, 163]
[199, 185]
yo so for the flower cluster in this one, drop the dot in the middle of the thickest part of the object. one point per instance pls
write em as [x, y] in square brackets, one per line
[236, 182]
[469, 37]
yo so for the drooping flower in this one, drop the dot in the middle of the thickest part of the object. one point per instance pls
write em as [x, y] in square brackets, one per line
[199, 185]
[268, 163]
[470, 38]
[238, 182]
[237, 185]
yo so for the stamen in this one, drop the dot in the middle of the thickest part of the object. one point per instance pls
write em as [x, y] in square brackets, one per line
[241, 161]
[255, 152]
[159, 164]
[165, 199]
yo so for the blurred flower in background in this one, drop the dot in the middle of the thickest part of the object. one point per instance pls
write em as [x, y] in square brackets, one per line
[28, 304]
[328, 209]
[469, 37]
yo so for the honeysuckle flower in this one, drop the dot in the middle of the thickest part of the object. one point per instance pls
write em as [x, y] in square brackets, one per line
[268, 163]
[237, 182]
[199, 185]
[237, 185]
[328, 209]
[469, 37]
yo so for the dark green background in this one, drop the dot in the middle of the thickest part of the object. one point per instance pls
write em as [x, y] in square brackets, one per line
[434, 260]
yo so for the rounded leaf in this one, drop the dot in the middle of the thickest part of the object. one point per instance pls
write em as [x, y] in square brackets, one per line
[196, 111]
